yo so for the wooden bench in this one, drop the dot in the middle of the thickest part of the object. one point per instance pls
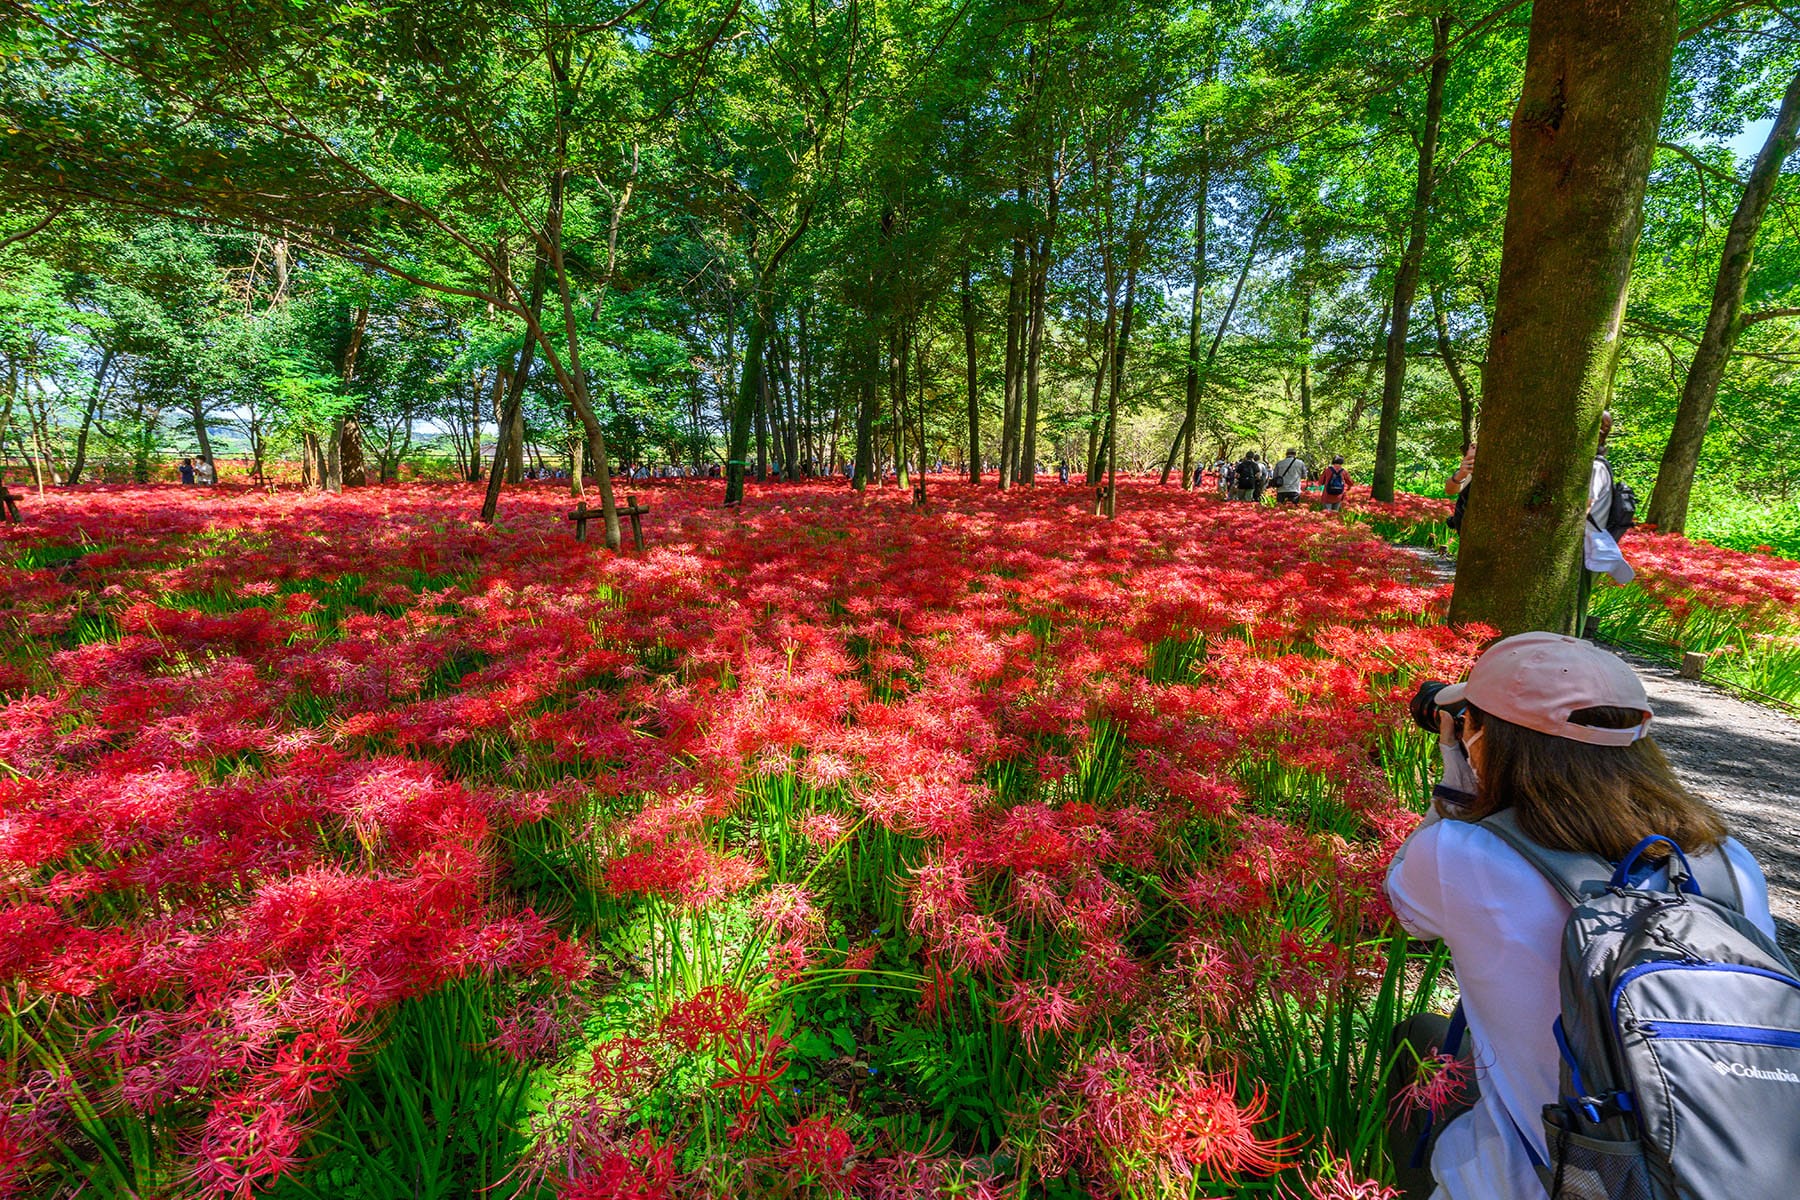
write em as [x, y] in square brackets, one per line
[583, 514]
[9, 505]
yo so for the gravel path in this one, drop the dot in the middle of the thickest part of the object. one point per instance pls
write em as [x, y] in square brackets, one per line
[1745, 758]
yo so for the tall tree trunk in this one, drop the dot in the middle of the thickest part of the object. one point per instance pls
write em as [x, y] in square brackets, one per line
[1406, 279]
[1465, 395]
[897, 366]
[1017, 287]
[762, 418]
[512, 414]
[87, 419]
[922, 349]
[334, 450]
[1042, 256]
[969, 371]
[866, 394]
[1583, 138]
[1212, 351]
[1724, 322]
[748, 395]
[1307, 441]
[1118, 385]
[1191, 376]
[199, 415]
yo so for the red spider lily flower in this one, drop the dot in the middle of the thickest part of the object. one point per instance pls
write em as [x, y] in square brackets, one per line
[1439, 1082]
[643, 1170]
[753, 1070]
[818, 1150]
[859, 959]
[711, 1014]
[1038, 1007]
[1341, 1181]
[1208, 1132]
[622, 1067]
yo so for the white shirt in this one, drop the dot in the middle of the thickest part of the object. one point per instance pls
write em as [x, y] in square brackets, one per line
[1289, 474]
[1503, 922]
[1600, 482]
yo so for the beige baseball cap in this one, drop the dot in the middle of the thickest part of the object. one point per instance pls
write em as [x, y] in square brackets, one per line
[1538, 679]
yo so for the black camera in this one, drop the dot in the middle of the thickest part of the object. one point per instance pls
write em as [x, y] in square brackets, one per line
[1424, 708]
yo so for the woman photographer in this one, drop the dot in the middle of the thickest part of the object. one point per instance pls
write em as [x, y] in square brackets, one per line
[1554, 730]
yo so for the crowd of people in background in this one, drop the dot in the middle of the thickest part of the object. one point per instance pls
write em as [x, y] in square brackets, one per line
[1289, 479]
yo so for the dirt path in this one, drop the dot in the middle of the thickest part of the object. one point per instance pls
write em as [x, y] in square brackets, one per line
[1745, 758]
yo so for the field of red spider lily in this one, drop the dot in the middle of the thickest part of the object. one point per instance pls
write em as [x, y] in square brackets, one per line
[351, 848]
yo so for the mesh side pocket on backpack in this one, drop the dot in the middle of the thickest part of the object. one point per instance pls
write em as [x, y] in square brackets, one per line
[1583, 1168]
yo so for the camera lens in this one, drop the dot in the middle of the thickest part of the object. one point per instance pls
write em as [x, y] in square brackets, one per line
[1424, 707]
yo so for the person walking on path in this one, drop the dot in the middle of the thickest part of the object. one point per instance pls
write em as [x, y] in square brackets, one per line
[1545, 747]
[1289, 476]
[1335, 482]
[1246, 478]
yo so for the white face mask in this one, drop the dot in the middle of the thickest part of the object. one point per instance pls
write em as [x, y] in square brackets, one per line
[1468, 744]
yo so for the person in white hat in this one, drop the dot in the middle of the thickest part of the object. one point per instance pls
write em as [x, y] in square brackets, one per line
[1556, 730]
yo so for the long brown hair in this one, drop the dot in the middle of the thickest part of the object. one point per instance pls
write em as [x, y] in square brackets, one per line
[1569, 795]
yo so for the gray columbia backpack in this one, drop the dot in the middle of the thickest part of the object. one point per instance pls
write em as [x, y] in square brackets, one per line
[1679, 1034]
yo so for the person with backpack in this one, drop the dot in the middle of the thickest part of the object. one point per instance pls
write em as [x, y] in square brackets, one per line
[1334, 482]
[1635, 1027]
[1246, 478]
[1289, 476]
[1611, 512]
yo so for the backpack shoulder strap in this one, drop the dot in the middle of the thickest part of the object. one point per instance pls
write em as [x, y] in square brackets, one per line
[1573, 874]
[1577, 875]
[1717, 879]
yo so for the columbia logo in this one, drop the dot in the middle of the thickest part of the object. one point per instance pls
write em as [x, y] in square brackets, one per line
[1745, 1071]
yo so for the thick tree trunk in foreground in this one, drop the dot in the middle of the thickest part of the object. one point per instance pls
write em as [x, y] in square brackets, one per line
[1583, 138]
[1406, 279]
[1675, 477]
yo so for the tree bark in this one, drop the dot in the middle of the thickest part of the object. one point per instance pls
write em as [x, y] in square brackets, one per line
[1191, 376]
[749, 393]
[334, 449]
[512, 415]
[1307, 441]
[1583, 138]
[865, 423]
[1724, 322]
[969, 371]
[1212, 351]
[1015, 358]
[1446, 351]
[87, 419]
[1042, 255]
[1406, 278]
[1118, 385]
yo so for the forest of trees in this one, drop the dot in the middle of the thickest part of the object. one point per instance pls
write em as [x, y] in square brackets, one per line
[783, 237]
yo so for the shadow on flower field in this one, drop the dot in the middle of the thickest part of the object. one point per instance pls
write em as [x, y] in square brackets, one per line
[351, 848]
